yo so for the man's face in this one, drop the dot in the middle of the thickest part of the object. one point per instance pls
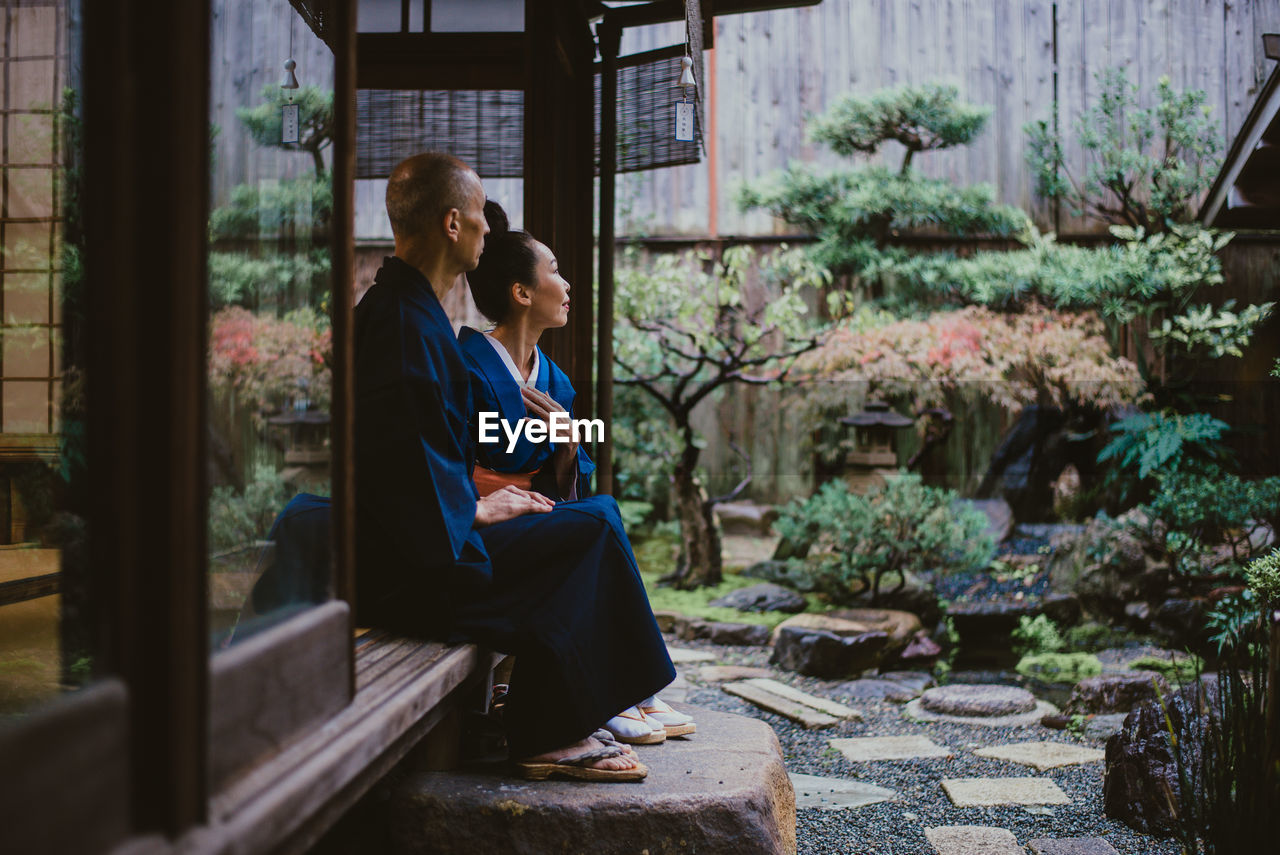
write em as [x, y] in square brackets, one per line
[472, 228]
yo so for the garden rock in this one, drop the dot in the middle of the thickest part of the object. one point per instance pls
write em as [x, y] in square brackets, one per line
[977, 700]
[921, 652]
[765, 597]
[1141, 779]
[1115, 692]
[1108, 566]
[999, 516]
[780, 572]
[818, 653]
[745, 517]
[667, 620]
[723, 793]
[717, 632]
[894, 686]
[1181, 622]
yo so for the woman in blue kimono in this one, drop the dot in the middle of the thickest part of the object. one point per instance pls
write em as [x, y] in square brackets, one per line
[517, 285]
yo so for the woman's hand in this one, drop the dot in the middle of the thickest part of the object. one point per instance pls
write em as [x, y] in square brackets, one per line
[541, 405]
[508, 503]
[565, 460]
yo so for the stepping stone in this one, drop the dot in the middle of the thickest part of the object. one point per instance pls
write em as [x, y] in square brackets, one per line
[978, 700]
[973, 840]
[820, 704]
[724, 793]
[984, 792]
[802, 714]
[1042, 755]
[1072, 846]
[814, 791]
[682, 656]
[864, 749]
[725, 673]
[916, 711]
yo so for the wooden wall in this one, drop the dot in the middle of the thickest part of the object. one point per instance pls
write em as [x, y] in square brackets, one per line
[773, 69]
[254, 41]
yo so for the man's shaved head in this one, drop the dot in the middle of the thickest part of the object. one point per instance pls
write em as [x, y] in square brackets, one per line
[422, 188]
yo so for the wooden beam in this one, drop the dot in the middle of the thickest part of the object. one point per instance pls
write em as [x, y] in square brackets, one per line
[448, 61]
[145, 211]
[342, 428]
[610, 37]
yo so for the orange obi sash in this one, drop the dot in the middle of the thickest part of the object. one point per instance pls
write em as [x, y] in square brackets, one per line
[489, 481]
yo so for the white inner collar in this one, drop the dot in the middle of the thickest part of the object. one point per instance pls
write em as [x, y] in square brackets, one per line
[511, 365]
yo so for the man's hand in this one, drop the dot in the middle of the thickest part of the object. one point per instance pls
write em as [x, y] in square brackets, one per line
[509, 503]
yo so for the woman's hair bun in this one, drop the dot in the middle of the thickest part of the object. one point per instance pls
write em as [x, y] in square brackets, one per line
[496, 218]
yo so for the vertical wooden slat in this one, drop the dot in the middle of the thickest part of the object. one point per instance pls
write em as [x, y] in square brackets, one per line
[342, 460]
[145, 208]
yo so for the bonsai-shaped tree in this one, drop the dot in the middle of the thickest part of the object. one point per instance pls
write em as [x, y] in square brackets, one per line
[1146, 167]
[855, 211]
[315, 119]
[295, 212]
[684, 334]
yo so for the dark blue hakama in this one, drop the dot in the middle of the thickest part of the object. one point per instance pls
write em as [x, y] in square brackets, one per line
[560, 590]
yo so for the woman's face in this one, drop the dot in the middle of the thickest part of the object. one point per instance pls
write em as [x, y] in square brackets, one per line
[549, 298]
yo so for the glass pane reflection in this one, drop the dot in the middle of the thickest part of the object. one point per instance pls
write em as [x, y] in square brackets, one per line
[45, 637]
[269, 332]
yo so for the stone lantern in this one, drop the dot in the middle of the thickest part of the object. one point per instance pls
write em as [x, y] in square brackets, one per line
[306, 451]
[875, 455]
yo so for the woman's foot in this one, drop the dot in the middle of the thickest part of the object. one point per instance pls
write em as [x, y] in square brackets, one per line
[675, 723]
[588, 760]
[634, 727]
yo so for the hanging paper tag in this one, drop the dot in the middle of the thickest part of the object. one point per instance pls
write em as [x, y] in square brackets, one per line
[684, 121]
[289, 124]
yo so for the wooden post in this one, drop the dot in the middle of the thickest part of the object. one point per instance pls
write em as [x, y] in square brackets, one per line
[1273, 690]
[610, 35]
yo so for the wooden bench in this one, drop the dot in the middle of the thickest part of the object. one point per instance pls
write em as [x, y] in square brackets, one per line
[408, 693]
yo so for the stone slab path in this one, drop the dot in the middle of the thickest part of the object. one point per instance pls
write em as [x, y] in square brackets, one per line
[815, 791]
[865, 749]
[1043, 755]
[984, 792]
[973, 840]
[820, 704]
[802, 714]
[681, 656]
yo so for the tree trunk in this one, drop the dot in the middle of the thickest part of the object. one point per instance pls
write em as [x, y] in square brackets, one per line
[699, 562]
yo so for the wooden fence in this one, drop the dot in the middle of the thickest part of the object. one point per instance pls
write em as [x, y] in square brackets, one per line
[771, 70]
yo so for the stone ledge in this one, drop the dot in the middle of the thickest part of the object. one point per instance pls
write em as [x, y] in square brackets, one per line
[722, 792]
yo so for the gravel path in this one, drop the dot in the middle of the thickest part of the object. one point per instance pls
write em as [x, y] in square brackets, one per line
[897, 827]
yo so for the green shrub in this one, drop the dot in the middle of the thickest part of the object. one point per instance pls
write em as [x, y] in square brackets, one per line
[1217, 508]
[237, 519]
[1059, 667]
[1178, 669]
[1037, 635]
[1263, 577]
[1092, 637]
[1162, 442]
[901, 528]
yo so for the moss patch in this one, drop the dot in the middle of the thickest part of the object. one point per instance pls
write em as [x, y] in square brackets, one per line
[1060, 667]
[1182, 669]
[657, 558]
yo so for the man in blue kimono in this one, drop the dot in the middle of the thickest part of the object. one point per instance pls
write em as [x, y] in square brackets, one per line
[555, 585]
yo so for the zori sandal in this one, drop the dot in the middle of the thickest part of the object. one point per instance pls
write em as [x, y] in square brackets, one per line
[635, 728]
[579, 768]
[675, 723]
